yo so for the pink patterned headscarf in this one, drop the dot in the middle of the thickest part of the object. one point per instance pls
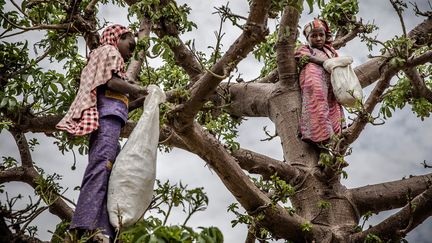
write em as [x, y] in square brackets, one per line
[318, 24]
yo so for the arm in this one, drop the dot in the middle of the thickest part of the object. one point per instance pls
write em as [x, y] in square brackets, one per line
[316, 60]
[120, 85]
[303, 56]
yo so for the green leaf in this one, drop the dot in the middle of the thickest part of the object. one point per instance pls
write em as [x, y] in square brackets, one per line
[54, 87]
[4, 102]
[306, 227]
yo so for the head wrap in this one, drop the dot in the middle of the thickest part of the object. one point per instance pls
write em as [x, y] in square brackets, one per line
[82, 117]
[317, 24]
[111, 35]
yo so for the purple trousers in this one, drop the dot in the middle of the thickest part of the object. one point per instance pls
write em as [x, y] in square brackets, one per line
[91, 210]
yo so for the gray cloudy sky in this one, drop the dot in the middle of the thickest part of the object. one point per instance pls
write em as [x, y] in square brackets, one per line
[384, 153]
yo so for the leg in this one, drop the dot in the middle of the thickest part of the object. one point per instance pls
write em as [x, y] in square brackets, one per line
[91, 211]
[315, 124]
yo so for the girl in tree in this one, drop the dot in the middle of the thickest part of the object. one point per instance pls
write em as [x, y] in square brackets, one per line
[101, 110]
[322, 116]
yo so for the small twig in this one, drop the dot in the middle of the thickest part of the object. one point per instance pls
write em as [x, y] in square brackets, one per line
[33, 216]
[418, 12]
[22, 11]
[37, 60]
[219, 36]
[5, 31]
[426, 165]
[269, 136]
[397, 5]
[40, 27]
[226, 12]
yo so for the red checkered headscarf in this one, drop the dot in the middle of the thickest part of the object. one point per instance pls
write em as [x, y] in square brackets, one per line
[318, 24]
[82, 117]
[111, 35]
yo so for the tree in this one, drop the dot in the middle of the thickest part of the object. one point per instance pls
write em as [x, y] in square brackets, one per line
[204, 107]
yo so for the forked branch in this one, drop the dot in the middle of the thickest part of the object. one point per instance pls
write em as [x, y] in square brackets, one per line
[388, 195]
[256, 163]
[254, 32]
[398, 225]
[276, 219]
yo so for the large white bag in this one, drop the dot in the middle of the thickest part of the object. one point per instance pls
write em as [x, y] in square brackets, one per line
[130, 187]
[346, 85]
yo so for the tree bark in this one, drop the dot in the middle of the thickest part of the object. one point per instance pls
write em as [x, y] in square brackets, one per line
[388, 195]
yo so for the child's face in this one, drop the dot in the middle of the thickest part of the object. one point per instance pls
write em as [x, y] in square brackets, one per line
[316, 38]
[126, 46]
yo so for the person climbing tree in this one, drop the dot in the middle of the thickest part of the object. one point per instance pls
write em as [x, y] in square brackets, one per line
[322, 116]
[101, 110]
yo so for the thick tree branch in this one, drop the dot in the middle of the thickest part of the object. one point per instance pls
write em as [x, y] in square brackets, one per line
[402, 222]
[30, 175]
[341, 41]
[276, 219]
[247, 99]
[418, 60]
[272, 77]
[184, 57]
[213, 152]
[90, 8]
[370, 71]
[256, 163]
[17, 173]
[23, 148]
[135, 65]
[285, 100]
[254, 32]
[388, 195]
[64, 26]
[418, 83]
[46, 124]
[287, 36]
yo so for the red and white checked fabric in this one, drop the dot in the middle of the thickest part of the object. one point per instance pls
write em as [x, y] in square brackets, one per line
[82, 117]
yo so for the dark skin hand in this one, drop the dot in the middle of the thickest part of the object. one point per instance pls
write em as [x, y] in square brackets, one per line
[120, 85]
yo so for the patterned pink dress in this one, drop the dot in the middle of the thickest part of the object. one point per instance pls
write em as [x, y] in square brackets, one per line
[322, 116]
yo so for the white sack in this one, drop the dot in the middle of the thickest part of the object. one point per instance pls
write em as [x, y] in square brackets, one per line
[130, 187]
[344, 80]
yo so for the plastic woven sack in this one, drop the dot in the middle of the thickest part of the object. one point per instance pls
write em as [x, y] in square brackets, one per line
[346, 85]
[130, 187]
